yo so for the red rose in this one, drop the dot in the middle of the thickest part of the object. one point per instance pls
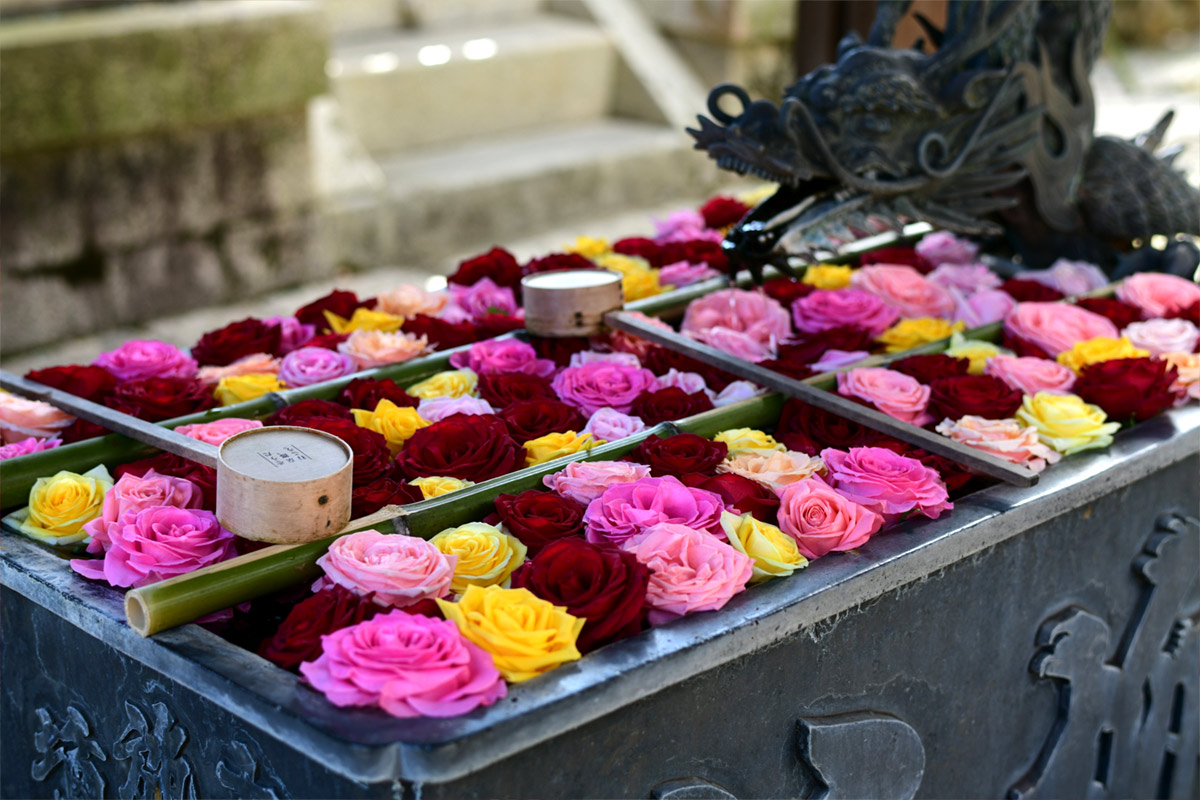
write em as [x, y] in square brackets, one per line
[808, 429]
[472, 448]
[559, 350]
[493, 324]
[812, 348]
[497, 264]
[371, 497]
[1128, 388]
[791, 367]
[669, 404]
[740, 493]
[1023, 347]
[898, 255]
[236, 340]
[504, 389]
[722, 210]
[156, 399]
[931, 367]
[598, 582]
[338, 301]
[695, 252]
[177, 467]
[954, 475]
[1026, 291]
[372, 459]
[539, 518]
[298, 638]
[680, 455]
[1190, 313]
[441, 334]
[1121, 313]
[980, 395]
[660, 361]
[557, 262]
[640, 247]
[89, 382]
[533, 419]
[365, 393]
[329, 341]
[297, 413]
[787, 290]
[81, 429]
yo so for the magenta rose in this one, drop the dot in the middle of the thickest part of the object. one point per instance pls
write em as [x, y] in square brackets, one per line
[690, 571]
[627, 509]
[309, 365]
[585, 481]
[293, 333]
[27, 447]
[407, 664]
[894, 393]
[823, 521]
[393, 570]
[682, 273]
[502, 357]
[749, 325]
[943, 247]
[825, 309]
[147, 358]
[482, 298]
[131, 494]
[886, 482]
[603, 385]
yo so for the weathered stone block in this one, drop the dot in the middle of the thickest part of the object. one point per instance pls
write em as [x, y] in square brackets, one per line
[43, 207]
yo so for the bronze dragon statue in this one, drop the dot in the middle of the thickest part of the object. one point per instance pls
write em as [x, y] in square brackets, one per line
[990, 135]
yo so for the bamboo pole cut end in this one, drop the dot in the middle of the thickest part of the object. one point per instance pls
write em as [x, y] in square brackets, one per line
[137, 614]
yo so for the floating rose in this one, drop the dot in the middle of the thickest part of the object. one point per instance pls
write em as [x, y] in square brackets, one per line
[625, 510]
[823, 521]
[539, 518]
[1030, 375]
[219, 430]
[893, 393]
[1055, 327]
[484, 555]
[585, 481]
[556, 445]
[597, 385]
[1158, 294]
[436, 486]
[371, 348]
[241, 388]
[771, 468]
[690, 571]
[775, 555]
[1160, 336]
[609, 425]
[886, 482]
[503, 356]
[1066, 423]
[1098, 350]
[906, 290]
[1003, 438]
[743, 323]
[308, 365]
[909, 333]
[298, 637]
[824, 310]
[21, 419]
[392, 570]
[147, 358]
[61, 505]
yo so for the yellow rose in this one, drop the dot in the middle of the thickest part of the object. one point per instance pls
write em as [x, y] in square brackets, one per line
[60, 505]
[775, 553]
[753, 197]
[364, 319]
[638, 279]
[240, 388]
[1066, 423]
[555, 445]
[524, 634]
[1100, 348]
[588, 247]
[827, 276]
[909, 333]
[452, 383]
[486, 555]
[739, 439]
[974, 350]
[396, 424]
[437, 486]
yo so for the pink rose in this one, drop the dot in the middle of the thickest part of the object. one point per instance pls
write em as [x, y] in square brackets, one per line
[408, 301]
[681, 226]
[1068, 277]
[378, 349]
[943, 247]
[436, 409]
[690, 571]
[627, 343]
[681, 273]
[886, 482]
[906, 290]
[822, 520]
[584, 481]
[627, 509]
[894, 393]
[147, 358]
[837, 359]
[825, 309]
[309, 365]
[746, 324]
[253, 364]
[21, 419]
[1056, 327]
[983, 307]
[292, 332]
[394, 570]
[609, 425]
[27, 447]
[772, 468]
[159, 543]
[595, 357]
[600, 384]
[131, 494]
[689, 382]
[966, 278]
[218, 431]
[503, 356]
[484, 297]
[409, 665]
[737, 392]
[1003, 438]
[1031, 375]
[1158, 294]
[1161, 336]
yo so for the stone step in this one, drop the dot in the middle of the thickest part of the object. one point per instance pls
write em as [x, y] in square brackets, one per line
[405, 89]
[490, 191]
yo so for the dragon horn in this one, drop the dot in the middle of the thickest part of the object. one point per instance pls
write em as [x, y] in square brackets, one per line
[887, 17]
[981, 30]
[1152, 139]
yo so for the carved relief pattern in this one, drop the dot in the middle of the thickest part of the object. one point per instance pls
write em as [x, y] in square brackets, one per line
[69, 753]
[244, 773]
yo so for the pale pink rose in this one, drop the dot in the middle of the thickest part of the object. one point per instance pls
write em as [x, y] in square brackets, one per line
[825, 309]
[27, 447]
[408, 301]
[966, 278]
[597, 385]
[737, 392]
[894, 393]
[690, 571]
[1158, 294]
[595, 357]
[219, 430]
[837, 359]
[627, 343]
[394, 570]
[1003, 438]
[254, 364]
[503, 357]
[378, 349]
[292, 332]
[1069, 277]
[1056, 327]
[906, 290]
[409, 665]
[131, 494]
[689, 382]
[609, 425]
[584, 481]
[436, 409]
[454, 313]
[1161, 336]
[1187, 381]
[147, 358]
[484, 297]
[681, 273]
[21, 419]
[886, 482]
[943, 247]
[683, 226]
[627, 509]
[823, 521]
[308, 365]
[746, 324]
[1030, 375]
[983, 307]
[772, 468]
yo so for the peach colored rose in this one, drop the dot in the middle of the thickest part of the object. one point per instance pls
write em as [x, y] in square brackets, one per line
[1003, 438]
[408, 301]
[1056, 327]
[1163, 336]
[823, 521]
[772, 468]
[894, 393]
[21, 418]
[1158, 294]
[376, 348]
[1031, 375]
[906, 290]
[1187, 384]
[254, 364]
